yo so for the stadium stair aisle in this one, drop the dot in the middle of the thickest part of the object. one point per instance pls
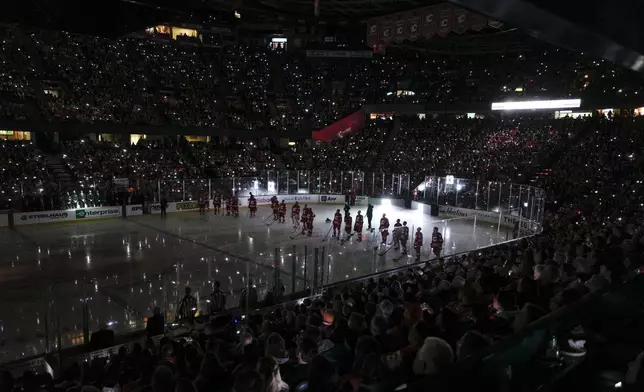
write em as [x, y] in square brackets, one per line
[60, 170]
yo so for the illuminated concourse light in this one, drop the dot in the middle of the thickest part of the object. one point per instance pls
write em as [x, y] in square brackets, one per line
[531, 105]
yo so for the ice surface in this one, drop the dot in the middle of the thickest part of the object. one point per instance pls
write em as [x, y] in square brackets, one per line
[126, 267]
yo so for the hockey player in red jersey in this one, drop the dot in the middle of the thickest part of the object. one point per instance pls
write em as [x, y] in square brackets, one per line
[308, 218]
[418, 243]
[295, 214]
[396, 234]
[437, 242]
[337, 221]
[235, 206]
[252, 205]
[348, 221]
[384, 228]
[305, 217]
[282, 212]
[404, 237]
[358, 226]
[275, 206]
[229, 205]
[216, 202]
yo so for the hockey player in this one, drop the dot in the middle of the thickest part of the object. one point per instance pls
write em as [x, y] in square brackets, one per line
[384, 226]
[348, 220]
[404, 237]
[216, 203]
[358, 226]
[235, 206]
[418, 243]
[309, 221]
[229, 205]
[275, 206]
[337, 221]
[396, 234]
[202, 204]
[295, 215]
[252, 205]
[437, 242]
[305, 218]
[282, 212]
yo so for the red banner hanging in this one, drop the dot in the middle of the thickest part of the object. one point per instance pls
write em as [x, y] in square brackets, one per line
[428, 28]
[446, 19]
[461, 20]
[352, 123]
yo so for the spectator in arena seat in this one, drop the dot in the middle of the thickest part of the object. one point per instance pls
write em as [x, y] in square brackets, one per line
[268, 368]
[163, 379]
[102, 338]
[213, 376]
[156, 324]
[184, 384]
[307, 349]
[248, 381]
[434, 356]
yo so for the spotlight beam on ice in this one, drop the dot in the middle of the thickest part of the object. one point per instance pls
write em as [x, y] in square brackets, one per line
[531, 105]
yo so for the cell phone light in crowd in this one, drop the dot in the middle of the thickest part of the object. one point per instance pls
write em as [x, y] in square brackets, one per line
[111, 323]
[618, 384]
[525, 204]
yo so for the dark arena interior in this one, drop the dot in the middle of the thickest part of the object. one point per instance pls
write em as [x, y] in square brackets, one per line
[321, 195]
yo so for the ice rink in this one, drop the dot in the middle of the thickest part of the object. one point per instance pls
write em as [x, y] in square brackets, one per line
[126, 267]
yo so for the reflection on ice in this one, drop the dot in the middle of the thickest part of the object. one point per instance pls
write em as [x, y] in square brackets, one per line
[124, 268]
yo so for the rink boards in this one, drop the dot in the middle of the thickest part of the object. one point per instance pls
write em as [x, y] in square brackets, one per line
[82, 214]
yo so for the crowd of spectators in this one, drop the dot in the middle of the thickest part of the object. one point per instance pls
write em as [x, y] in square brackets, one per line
[379, 332]
[248, 86]
[24, 176]
[485, 148]
[386, 331]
